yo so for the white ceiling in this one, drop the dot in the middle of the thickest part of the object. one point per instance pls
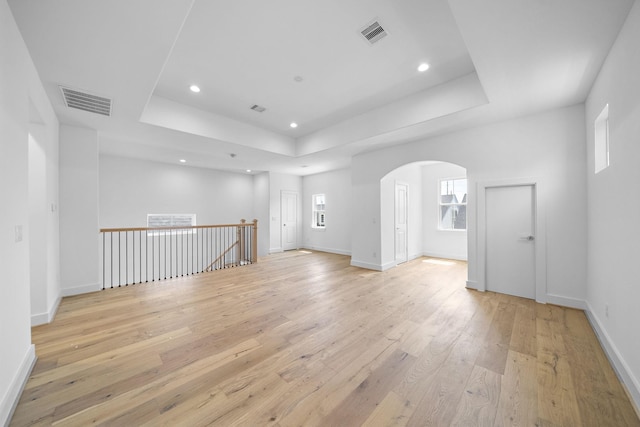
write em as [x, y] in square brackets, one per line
[489, 61]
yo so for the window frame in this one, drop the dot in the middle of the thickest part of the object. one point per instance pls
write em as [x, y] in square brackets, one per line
[315, 211]
[158, 230]
[440, 204]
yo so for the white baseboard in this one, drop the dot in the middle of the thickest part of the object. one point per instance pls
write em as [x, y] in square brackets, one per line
[44, 318]
[566, 301]
[388, 265]
[472, 284]
[275, 250]
[11, 398]
[457, 257]
[367, 265]
[85, 289]
[40, 319]
[328, 250]
[617, 361]
[414, 256]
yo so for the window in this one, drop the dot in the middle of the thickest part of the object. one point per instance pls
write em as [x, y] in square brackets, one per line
[317, 209]
[170, 220]
[602, 140]
[452, 201]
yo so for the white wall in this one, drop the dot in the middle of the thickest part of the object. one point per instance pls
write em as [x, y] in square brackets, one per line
[130, 189]
[279, 182]
[37, 222]
[614, 205]
[549, 146]
[19, 86]
[336, 236]
[79, 230]
[424, 237]
[54, 284]
[440, 243]
[412, 176]
[261, 211]
[44, 240]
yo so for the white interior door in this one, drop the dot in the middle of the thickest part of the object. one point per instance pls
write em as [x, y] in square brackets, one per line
[401, 241]
[289, 212]
[510, 240]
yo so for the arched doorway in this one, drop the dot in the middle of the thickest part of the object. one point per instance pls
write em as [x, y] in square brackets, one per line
[431, 221]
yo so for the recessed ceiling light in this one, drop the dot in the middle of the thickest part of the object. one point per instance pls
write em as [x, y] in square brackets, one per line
[423, 67]
[293, 125]
[248, 170]
[183, 161]
[194, 88]
[298, 79]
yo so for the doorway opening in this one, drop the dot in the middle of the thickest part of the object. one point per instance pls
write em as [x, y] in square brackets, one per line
[423, 213]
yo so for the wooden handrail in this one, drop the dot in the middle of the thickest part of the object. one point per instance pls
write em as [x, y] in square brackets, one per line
[187, 227]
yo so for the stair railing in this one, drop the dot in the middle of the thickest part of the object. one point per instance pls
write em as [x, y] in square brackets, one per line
[144, 254]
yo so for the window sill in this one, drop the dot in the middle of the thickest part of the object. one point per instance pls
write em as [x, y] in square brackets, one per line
[448, 230]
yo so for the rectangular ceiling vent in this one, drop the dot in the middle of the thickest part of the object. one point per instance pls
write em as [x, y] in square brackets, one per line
[258, 108]
[86, 101]
[373, 32]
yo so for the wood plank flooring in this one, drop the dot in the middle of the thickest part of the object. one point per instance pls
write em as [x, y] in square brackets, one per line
[303, 339]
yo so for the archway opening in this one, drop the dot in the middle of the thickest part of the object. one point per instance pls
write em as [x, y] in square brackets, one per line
[432, 221]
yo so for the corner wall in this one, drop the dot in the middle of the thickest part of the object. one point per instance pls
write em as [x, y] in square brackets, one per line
[21, 95]
[79, 229]
[336, 236]
[613, 289]
[261, 211]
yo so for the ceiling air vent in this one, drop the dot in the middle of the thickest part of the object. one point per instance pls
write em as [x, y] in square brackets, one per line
[86, 101]
[373, 32]
[258, 108]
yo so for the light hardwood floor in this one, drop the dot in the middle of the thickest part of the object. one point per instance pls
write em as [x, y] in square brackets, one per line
[307, 340]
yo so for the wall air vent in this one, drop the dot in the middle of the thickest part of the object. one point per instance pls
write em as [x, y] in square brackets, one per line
[373, 32]
[86, 101]
[258, 108]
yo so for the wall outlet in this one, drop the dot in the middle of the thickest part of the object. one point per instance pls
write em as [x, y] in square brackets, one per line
[18, 230]
[606, 311]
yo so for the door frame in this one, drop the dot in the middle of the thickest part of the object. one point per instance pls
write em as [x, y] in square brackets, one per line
[539, 232]
[282, 228]
[395, 222]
